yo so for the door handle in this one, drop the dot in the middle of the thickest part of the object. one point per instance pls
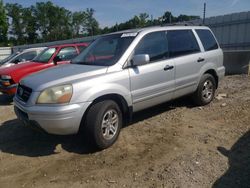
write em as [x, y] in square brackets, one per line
[200, 60]
[168, 67]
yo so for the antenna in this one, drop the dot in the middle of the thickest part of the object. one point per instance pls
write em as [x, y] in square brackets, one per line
[204, 13]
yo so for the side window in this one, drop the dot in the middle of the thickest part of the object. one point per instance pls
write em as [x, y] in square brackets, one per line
[207, 39]
[155, 45]
[182, 42]
[67, 53]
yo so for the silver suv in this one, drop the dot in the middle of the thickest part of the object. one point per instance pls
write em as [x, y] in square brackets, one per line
[118, 74]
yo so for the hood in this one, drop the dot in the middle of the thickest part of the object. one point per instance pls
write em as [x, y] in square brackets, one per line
[22, 69]
[12, 64]
[60, 75]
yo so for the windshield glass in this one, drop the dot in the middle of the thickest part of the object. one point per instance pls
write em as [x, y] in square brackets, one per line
[8, 58]
[105, 51]
[45, 56]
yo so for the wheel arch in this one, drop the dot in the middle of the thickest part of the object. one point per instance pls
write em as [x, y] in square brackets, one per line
[126, 109]
[214, 74]
[209, 68]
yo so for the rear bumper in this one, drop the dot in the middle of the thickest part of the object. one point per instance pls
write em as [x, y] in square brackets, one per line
[221, 72]
[10, 90]
[60, 120]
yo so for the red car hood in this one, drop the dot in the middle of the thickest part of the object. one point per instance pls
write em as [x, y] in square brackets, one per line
[17, 72]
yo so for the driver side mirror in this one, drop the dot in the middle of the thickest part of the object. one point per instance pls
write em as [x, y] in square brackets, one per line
[56, 60]
[140, 59]
[16, 61]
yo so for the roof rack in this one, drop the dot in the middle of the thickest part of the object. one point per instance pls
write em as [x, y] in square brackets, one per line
[183, 24]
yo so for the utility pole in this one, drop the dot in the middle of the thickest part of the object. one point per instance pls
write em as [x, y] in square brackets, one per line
[204, 13]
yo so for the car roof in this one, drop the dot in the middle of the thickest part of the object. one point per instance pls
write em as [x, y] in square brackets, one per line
[156, 28]
[34, 49]
[67, 45]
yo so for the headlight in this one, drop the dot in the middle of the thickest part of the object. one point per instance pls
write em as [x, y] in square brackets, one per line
[56, 95]
[6, 77]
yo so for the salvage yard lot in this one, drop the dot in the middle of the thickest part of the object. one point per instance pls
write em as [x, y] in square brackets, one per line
[171, 145]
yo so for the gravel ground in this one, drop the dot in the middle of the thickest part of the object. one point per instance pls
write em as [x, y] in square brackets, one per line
[171, 145]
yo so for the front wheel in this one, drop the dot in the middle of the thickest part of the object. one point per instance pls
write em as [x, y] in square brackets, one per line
[205, 91]
[103, 123]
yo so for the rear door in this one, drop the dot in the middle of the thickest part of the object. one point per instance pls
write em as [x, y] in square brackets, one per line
[152, 83]
[185, 50]
[212, 53]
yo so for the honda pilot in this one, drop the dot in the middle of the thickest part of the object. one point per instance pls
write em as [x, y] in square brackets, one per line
[119, 74]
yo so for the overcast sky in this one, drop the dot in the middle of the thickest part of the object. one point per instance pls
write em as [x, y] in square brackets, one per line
[109, 12]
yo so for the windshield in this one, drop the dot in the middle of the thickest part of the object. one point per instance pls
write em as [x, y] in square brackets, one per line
[45, 55]
[105, 51]
[8, 58]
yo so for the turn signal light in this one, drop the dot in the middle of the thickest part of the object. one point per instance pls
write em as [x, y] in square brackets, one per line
[5, 83]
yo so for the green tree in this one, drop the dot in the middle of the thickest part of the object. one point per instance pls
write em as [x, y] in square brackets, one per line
[30, 24]
[42, 11]
[143, 19]
[91, 24]
[54, 22]
[3, 24]
[183, 18]
[78, 22]
[168, 18]
[15, 14]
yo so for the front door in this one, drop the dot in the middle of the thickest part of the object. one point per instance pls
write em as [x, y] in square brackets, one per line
[152, 83]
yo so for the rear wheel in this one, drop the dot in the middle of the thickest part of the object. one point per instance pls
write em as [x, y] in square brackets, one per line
[205, 91]
[103, 123]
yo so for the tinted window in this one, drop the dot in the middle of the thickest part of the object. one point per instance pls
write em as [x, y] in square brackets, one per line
[207, 39]
[67, 53]
[182, 42]
[45, 56]
[155, 45]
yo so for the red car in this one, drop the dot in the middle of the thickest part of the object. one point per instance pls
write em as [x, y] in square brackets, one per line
[51, 56]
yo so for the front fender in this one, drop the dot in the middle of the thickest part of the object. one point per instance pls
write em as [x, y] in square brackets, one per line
[95, 92]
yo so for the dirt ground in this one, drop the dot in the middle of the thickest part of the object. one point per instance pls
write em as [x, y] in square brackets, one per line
[171, 145]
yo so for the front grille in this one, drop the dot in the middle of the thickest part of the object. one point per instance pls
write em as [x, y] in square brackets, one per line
[23, 92]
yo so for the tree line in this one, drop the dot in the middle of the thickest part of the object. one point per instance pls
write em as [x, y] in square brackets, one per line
[45, 22]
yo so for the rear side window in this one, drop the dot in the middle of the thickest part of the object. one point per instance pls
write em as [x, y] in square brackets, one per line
[155, 45]
[81, 48]
[207, 39]
[182, 42]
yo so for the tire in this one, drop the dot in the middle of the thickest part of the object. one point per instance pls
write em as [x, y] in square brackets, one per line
[103, 124]
[205, 91]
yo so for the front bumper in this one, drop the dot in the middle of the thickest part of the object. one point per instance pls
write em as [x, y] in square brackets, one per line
[59, 119]
[10, 90]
